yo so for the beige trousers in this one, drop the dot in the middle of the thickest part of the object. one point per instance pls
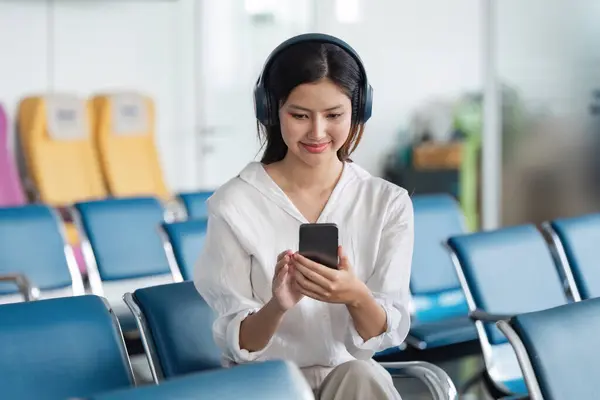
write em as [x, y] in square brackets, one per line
[357, 380]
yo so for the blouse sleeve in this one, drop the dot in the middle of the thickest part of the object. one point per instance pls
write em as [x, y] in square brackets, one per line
[222, 277]
[389, 283]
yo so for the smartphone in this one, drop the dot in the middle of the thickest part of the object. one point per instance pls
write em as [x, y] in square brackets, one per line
[319, 243]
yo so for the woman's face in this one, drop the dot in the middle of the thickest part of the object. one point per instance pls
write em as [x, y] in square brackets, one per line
[315, 121]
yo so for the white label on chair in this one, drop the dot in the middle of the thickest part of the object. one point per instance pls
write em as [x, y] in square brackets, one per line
[67, 117]
[451, 298]
[422, 303]
[129, 114]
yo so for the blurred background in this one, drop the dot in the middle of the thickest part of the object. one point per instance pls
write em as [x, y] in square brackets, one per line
[494, 102]
[430, 62]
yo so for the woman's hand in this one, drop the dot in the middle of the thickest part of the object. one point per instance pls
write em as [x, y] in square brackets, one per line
[326, 284]
[284, 293]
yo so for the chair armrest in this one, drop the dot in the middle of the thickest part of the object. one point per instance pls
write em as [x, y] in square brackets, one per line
[28, 291]
[437, 380]
[480, 315]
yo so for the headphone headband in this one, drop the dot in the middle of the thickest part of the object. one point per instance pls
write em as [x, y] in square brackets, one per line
[261, 103]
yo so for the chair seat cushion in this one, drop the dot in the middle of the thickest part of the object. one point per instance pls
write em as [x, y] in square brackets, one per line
[390, 351]
[516, 386]
[440, 306]
[443, 333]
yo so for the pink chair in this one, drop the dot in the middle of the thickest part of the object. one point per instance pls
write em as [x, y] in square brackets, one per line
[11, 190]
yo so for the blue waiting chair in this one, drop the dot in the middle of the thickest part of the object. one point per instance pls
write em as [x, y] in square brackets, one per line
[35, 257]
[123, 249]
[503, 273]
[271, 380]
[575, 241]
[440, 311]
[183, 243]
[194, 203]
[556, 349]
[176, 325]
[61, 348]
[176, 328]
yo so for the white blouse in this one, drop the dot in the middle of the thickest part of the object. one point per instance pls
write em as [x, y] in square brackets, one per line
[251, 221]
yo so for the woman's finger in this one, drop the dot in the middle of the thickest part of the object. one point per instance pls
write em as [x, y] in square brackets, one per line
[283, 253]
[280, 276]
[327, 272]
[309, 293]
[314, 276]
[281, 262]
[309, 285]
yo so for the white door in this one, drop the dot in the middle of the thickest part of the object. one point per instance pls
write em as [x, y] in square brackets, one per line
[234, 39]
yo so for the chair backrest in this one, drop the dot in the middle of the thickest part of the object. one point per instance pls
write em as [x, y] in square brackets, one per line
[434, 285]
[557, 350]
[11, 191]
[124, 237]
[32, 243]
[270, 380]
[183, 244]
[576, 242]
[124, 131]
[58, 149]
[507, 271]
[195, 203]
[61, 348]
[177, 325]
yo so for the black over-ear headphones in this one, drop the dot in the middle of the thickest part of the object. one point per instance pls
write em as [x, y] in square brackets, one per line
[261, 94]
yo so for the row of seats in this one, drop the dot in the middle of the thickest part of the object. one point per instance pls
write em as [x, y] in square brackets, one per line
[78, 150]
[463, 283]
[444, 252]
[73, 347]
[484, 275]
[516, 270]
[556, 349]
[126, 243]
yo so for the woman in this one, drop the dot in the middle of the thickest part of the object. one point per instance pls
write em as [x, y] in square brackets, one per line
[271, 303]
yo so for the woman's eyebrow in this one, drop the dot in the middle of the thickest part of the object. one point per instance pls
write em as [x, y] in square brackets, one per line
[297, 107]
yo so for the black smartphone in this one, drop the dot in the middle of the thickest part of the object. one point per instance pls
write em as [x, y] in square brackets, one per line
[319, 243]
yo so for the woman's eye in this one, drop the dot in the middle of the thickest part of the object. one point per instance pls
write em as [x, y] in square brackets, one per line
[334, 116]
[300, 116]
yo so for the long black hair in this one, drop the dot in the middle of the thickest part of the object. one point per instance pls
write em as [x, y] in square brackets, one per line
[309, 62]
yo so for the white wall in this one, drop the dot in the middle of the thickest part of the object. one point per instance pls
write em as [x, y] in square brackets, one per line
[413, 50]
[548, 50]
[86, 47]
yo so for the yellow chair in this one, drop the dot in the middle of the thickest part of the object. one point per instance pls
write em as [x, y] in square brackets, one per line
[56, 141]
[124, 132]
[58, 148]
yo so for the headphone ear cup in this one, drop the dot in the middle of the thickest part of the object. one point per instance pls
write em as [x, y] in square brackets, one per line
[272, 109]
[261, 105]
[368, 103]
[264, 109]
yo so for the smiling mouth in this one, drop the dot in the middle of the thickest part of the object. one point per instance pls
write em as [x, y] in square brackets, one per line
[315, 147]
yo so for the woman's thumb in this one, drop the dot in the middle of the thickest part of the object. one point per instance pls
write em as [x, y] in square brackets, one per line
[344, 262]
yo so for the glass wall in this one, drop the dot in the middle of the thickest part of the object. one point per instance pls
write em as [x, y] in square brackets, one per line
[548, 68]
